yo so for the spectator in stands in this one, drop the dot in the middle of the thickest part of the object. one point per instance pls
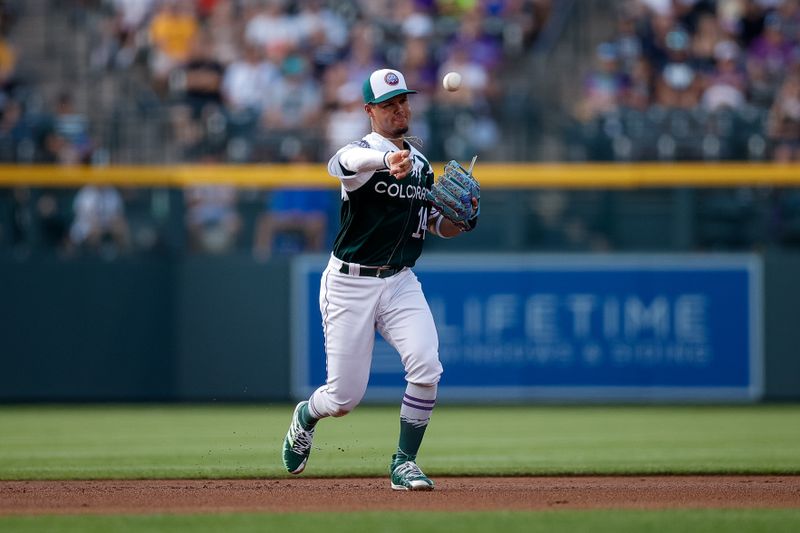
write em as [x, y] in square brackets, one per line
[131, 16]
[479, 46]
[294, 110]
[362, 59]
[522, 22]
[212, 218]
[689, 14]
[677, 47]
[269, 26]
[347, 121]
[789, 13]
[246, 89]
[104, 45]
[225, 29]
[16, 134]
[750, 23]
[727, 84]
[323, 34]
[761, 87]
[655, 26]
[626, 42]
[707, 35]
[639, 93]
[172, 31]
[784, 121]
[679, 85]
[119, 43]
[66, 138]
[772, 52]
[413, 20]
[422, 70]
[99, 225]
[294, 220]
[332, 80]
[53, 222]
[604, 86]
[295, 101]
[200, 84]
[657, 8]
[196, 115]
[247, 82]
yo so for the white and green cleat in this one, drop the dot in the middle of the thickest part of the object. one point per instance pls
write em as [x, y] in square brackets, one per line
[297, 443]
[408, 476]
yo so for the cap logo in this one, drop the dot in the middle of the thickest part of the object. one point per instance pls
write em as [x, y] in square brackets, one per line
[382, 85]
[391, 78]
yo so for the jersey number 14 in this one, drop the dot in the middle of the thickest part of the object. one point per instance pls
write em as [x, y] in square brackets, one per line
[423, 223]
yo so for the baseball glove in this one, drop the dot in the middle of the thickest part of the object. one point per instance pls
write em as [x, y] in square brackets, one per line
[452, 195]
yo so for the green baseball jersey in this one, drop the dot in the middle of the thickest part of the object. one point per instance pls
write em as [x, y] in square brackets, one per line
[383, 220]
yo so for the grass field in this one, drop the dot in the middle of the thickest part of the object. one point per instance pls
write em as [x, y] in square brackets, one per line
[65, 442]
[90, 442]
[696, 521]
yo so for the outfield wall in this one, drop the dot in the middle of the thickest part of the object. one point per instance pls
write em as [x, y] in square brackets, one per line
[174, 326]
[129, 330]
[218, 329]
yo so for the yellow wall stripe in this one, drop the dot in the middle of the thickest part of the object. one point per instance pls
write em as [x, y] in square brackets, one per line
[491, 175]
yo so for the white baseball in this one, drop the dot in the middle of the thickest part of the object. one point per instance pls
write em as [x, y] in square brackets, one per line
[451, 81]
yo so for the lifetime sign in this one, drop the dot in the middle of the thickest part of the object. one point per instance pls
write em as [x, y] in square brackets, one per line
[547, 317]
[576, 327]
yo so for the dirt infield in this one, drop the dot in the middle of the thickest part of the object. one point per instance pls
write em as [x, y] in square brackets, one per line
[451, 494]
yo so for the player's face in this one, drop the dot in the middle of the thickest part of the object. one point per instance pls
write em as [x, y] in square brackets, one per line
[390, 118]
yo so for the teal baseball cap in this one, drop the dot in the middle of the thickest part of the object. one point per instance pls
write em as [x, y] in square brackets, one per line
[384, 84]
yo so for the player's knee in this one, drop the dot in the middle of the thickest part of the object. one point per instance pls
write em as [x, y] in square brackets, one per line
[425, 371]
[344, 404]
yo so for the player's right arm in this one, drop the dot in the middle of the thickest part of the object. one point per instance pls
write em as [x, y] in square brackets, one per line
[354, 161]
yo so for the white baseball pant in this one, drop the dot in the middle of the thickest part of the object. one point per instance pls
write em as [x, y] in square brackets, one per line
[353, 307]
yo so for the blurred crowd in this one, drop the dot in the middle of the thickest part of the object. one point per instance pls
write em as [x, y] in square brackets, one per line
[237, 81]
[279, 80]
[695, 79]
[241, 81]
[267, 80]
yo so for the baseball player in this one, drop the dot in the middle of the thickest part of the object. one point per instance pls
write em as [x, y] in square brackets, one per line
[368, 284]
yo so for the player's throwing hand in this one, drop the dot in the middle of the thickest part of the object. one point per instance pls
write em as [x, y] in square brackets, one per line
[399, 163]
